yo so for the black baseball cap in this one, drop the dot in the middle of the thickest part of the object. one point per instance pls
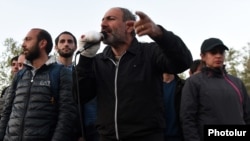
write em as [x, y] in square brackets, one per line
[211, 43]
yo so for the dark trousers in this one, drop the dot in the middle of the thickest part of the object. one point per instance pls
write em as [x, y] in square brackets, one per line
[151, 137]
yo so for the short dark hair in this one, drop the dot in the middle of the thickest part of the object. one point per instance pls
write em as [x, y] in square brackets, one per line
[195, 65]
[65, 32]
[128, 15]
[43, 34]
[15, 58]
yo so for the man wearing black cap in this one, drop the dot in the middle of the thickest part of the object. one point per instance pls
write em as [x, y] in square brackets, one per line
[212, 96]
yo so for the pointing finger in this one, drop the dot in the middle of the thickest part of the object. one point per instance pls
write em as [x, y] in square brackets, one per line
[141, 14]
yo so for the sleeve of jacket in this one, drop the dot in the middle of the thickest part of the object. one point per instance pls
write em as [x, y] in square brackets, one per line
[85, 78]
[2, 98]
[246, 104]
[189, 111]
[9, 96]
[179, 57]
[67, 113]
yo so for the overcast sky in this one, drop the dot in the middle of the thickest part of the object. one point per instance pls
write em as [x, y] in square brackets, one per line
[192, 20]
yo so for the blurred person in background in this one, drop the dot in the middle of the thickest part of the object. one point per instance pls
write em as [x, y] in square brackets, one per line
[21, 60]
[172, 88]
[14, 70]
[195, 67]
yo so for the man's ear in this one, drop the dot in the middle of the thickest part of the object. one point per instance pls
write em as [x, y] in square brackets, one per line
[43, 43]
[130, 25]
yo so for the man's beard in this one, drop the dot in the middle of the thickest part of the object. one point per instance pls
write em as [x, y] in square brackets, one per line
[114, 40]
[66, 55]
[33, 54]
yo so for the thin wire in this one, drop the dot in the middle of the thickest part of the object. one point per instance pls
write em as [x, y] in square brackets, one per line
[83, 131]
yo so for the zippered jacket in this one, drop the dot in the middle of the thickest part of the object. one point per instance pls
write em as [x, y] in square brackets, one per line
[212, 97]
[130, 92]
[32, 113]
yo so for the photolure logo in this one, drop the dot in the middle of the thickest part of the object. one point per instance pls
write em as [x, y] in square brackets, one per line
[215, 132]
[224, 132]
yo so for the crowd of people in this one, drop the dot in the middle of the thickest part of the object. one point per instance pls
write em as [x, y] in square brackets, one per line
[130, 91]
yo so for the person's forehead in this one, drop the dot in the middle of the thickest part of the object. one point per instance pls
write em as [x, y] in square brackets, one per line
[114, 12]
[22, 56]
[65, 36]
[14, 61]
[32, 33]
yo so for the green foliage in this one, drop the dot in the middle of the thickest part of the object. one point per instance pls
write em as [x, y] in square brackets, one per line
[245, 73]
[232, 62]
[11, 49]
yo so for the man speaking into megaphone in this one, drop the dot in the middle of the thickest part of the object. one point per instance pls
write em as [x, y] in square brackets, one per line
[127, 76]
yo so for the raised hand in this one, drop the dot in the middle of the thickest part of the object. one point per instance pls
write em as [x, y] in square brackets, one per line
[145, 26]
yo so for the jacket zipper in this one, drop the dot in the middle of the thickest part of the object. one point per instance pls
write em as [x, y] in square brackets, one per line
[235, 88]
[116, 101]
[116, 96]
[27, 104]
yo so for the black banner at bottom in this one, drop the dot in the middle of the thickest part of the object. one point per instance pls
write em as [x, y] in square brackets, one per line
[221, 132]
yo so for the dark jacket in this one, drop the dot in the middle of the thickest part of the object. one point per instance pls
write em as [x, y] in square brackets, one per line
[31, 114]
[177, 99]
[209, 98]
[2, 99]
[129, 92]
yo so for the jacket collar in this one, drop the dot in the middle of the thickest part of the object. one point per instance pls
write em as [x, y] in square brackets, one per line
[133, 49]
[51, 60]
[217, 72]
